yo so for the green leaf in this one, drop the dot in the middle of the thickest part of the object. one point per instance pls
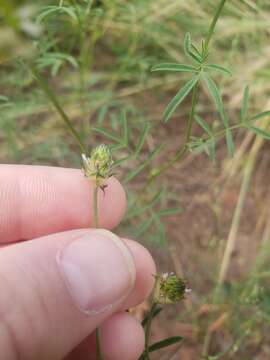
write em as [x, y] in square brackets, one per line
[46, 12]
[155, 313]
[187, 41]
[195, 57]
[260, 132]
[69, 11]
[203, 124]
[70, 59]
[211, 149]
[187, 49]
[164, 343]
[210, 145]
[204, 50]
[54, 9]
[120, 161]
[123, 119]
[117, 147]
[142, 209]
[55, 67]
[196, 51]
[230, 143]
[260, 115]
[207, 145]
[107, 134]
[142, 138]
[244, 107]
[138, 169]
[169, 212]
[174, 67]
[114, 121]
[144, 226]
[55, 59]
[214, 92]
[3, 98]
[159, 236]
[102, 114]
[218, 68]
[179, 97]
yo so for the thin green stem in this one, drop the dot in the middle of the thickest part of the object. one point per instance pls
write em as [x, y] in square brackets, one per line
[213, 24]
[153, 306]
[192, 112]
[82, 18]
[95, 217]
[148, 329]
[52, 97]
[98, 345]
[95, 206]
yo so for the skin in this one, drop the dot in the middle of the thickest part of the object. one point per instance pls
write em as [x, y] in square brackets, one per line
[42, 210]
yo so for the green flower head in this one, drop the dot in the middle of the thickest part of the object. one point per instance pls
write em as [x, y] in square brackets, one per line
[98, 166]
[169, 289]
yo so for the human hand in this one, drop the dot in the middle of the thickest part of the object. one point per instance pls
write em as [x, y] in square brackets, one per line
[59, 284]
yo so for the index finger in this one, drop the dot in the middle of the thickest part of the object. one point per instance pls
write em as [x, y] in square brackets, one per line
[40, 200]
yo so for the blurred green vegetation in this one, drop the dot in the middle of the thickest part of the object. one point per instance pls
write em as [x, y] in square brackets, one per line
[97, 59]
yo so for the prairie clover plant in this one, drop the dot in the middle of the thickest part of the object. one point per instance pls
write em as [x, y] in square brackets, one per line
[98, 168]
[200, 71]
[168, 289]
[97, 164]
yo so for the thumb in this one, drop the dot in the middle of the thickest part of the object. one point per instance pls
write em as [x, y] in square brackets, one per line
[57, 289]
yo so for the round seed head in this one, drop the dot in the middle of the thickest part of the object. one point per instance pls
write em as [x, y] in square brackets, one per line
[169, 289]
[98, 166]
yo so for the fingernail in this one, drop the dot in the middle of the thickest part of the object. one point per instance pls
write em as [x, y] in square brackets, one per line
[98, 270]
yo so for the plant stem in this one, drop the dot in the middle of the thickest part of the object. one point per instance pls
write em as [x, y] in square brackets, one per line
[153, 306]
[213, 24]
[83, 60]
[95, 206]
[95, 216]
[148, 329]
[183, 150]
[192, 112]
[52, 97]
[98, 346]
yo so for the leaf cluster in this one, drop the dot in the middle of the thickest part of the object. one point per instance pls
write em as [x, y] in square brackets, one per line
[200, 73]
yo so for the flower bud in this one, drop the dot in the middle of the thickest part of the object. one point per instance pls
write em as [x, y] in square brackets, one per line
[169, 289]
[98, 166]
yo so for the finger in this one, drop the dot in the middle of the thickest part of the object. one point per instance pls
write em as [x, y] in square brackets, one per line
[36, 201]
[145, 271]
[122, 337]
[57, 289]
[62, 287]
